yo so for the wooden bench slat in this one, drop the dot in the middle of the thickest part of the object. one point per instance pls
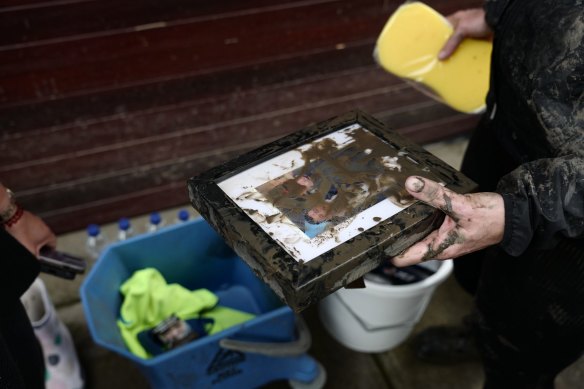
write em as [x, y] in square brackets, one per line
[100, 120]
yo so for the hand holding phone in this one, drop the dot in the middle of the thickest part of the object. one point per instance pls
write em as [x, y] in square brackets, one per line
[60, 264]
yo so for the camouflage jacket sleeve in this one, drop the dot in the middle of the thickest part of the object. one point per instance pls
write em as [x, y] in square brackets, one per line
[543, 200]
[544, 197]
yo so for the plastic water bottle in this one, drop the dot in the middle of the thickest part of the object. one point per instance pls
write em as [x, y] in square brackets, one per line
[96, 241]
[182, 216]
[124, 229]
[155, 222]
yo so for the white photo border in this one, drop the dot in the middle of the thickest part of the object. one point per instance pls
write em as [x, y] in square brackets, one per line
[241, 189]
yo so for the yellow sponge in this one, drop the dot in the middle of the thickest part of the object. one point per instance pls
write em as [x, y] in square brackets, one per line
[409, 45]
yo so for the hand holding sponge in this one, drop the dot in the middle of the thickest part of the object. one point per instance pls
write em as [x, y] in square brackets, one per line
[408, 47]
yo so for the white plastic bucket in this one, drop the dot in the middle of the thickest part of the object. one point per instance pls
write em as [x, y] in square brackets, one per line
[379, 317]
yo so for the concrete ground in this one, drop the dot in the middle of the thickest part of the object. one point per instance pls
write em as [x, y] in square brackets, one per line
[397, 368]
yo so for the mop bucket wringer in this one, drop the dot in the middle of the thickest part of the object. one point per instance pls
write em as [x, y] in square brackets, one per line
[271, 346]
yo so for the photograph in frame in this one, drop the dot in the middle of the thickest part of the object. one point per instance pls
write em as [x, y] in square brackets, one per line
[347, 174]
[321, 194]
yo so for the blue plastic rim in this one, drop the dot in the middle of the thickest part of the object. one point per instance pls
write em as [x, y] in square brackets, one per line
[193, 255]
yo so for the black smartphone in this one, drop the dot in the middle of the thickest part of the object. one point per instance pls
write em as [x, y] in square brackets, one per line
[60, 264]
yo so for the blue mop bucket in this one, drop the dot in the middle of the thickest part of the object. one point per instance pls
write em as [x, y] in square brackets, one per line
[270, 347]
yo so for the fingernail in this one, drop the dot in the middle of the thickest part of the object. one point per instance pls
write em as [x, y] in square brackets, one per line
[415, 184]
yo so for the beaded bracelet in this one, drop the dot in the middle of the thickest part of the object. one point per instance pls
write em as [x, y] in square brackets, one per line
[13, 213]
[14, 218]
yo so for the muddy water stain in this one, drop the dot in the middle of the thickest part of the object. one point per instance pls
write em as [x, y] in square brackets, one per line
[345, 179]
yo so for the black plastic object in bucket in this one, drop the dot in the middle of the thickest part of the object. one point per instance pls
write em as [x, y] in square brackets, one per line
[380, 316]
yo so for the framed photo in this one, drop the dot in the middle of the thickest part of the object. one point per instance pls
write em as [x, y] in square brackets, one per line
[319, 208]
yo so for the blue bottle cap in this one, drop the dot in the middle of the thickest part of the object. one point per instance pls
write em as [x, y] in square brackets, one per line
[93, 230]
[155, 218]
[183, 215]
[124, 224]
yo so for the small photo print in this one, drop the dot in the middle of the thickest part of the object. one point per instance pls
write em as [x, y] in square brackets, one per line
[325, 192]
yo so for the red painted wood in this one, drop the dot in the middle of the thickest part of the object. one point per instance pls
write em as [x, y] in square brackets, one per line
[181, 166]
[110, 208]
[47, 21]
[104, 160]
[35, 22]
[137, 127]
[128, 58]
[20, 5]
[39, 118]
[62, 69]
[100, 120]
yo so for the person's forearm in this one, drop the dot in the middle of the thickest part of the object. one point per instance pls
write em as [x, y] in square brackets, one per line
[28, 229]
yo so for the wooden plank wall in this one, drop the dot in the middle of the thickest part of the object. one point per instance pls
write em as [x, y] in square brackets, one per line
[107, 106]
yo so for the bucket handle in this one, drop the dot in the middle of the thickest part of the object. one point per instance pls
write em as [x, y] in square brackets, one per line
[296, 347]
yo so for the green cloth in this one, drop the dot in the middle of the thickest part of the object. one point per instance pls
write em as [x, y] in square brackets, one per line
[148, 300]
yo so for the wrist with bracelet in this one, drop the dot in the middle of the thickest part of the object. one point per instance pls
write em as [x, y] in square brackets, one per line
[12, 214]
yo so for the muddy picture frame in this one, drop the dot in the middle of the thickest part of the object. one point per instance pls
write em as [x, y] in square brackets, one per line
[299, 282]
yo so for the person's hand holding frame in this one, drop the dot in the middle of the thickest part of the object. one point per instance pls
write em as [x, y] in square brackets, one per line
[301, 269]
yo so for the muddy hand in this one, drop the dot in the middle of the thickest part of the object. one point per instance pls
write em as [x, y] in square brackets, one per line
[472, 222]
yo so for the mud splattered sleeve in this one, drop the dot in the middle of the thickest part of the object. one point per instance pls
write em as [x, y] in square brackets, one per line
[544, 198]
